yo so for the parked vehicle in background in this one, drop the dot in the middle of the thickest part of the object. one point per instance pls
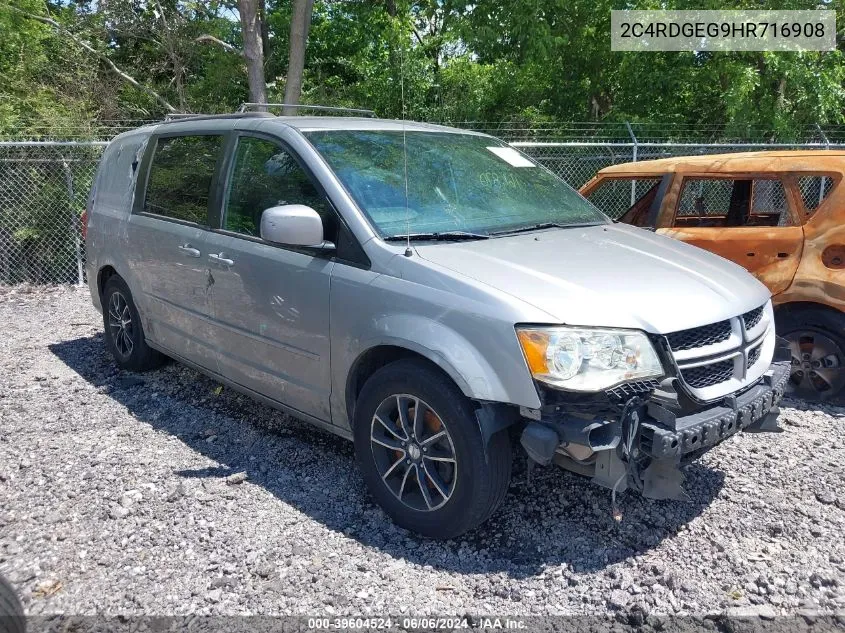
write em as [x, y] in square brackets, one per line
[779, 214]
[425, 291]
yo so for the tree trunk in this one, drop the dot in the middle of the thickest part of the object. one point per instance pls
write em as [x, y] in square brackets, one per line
[265, 28]
[299, 25]
[253, 51]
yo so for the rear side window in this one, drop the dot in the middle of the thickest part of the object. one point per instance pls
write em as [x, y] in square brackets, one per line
[725, 202]
[181, 177]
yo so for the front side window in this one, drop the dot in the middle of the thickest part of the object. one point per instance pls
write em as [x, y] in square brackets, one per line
[728, 202]
[265, 175]
[181, 176]
[454, 183]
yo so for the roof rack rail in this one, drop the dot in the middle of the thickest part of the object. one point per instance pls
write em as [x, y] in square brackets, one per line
[246, 107]
[183, 116]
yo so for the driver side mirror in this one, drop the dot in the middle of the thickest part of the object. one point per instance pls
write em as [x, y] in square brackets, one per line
[293, 225]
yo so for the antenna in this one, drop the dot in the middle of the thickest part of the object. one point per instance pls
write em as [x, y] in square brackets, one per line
[408, 251]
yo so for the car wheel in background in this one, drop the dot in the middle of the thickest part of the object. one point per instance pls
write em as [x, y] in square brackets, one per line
[817, 340]
[419, 448]
[11, 612]
[123, 331]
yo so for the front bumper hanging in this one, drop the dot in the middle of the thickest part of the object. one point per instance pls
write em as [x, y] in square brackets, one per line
[665, 435]
[649, 439]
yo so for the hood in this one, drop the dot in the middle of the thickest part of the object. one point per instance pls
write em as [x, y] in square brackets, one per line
[610, 275]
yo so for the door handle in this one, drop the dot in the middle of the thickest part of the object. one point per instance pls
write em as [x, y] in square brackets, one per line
[189, 250]
[220, 259]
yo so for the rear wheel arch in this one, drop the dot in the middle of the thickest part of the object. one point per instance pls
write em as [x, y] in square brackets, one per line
[103, 275]
[794, 308]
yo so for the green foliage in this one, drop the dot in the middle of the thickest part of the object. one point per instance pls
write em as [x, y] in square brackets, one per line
[447, 60]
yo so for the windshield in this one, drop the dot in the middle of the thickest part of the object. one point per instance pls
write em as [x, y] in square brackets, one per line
[456, 183]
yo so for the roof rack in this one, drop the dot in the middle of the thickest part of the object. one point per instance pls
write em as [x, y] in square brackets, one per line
[182, 116]
[245, 107]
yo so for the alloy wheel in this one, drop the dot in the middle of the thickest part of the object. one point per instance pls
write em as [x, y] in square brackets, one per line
[413, 452]
[120, 324]
[818, 364]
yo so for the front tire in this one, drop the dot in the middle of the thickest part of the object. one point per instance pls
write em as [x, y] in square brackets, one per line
[124, 333]
[420, 451]
[817, 340]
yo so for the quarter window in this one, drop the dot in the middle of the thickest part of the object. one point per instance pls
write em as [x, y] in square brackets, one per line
[181, 177]
[814, 190]
[614, 197]
[726, 202]
[266, 175]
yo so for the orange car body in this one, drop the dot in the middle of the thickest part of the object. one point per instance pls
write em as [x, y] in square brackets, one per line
[796, 249]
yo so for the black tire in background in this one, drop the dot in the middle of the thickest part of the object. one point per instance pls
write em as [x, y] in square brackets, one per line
[124, 333]
[12, 618]
[479, 479]
[817, 339]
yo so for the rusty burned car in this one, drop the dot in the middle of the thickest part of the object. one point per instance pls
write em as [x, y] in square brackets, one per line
[780, 214]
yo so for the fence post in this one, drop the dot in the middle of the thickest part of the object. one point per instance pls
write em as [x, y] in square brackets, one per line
[634, 157]
[826, 146]
[80, 270]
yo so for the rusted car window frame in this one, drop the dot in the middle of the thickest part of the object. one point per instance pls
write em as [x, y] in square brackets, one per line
[790, 188]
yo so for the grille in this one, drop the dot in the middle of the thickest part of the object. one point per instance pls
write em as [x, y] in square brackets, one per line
[700, 336]
[754, 355]
[708, 375]
[752, 318]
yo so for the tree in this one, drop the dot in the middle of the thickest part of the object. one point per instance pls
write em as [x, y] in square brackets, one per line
[299, 25]
[253, 49]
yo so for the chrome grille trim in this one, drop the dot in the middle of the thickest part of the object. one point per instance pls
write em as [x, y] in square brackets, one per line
[723, 364]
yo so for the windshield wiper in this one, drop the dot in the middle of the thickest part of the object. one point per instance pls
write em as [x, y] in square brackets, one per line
[543, 225]
[444, 236]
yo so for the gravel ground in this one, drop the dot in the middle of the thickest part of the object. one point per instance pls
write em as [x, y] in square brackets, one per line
[162, 494]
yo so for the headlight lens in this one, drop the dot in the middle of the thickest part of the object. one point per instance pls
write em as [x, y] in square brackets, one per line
[582, 359]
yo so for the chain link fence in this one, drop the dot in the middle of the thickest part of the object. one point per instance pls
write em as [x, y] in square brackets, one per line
[43, 190]
[44, 184]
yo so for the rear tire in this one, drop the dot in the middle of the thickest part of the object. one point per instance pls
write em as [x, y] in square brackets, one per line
[817, 339]
[124, 333]
[11, 612]
[420, 451]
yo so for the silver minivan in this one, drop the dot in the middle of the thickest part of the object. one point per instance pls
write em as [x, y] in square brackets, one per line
[432, 294]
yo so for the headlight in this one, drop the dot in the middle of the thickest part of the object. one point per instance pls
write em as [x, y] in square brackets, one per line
[582, 359]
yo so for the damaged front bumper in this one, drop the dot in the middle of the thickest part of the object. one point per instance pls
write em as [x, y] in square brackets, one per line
[666, 435]
[652, 433]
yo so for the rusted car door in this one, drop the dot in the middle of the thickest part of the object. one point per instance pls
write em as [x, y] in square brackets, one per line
[751, 220]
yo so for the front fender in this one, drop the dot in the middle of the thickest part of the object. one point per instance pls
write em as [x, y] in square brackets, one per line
[472, 341]
[450, 351]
